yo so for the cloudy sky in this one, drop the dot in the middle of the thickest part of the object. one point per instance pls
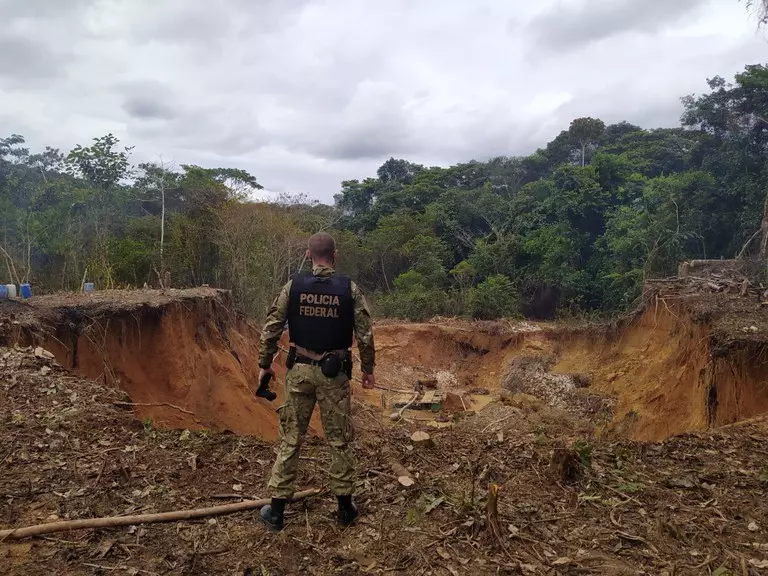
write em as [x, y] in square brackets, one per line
[307, 93]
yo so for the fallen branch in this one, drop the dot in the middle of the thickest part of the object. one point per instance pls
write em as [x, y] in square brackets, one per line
[112, 521]
[499, 421]
[179, 408]
[747, 243]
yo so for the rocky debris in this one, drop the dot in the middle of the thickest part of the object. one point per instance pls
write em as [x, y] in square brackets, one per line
[530, 375]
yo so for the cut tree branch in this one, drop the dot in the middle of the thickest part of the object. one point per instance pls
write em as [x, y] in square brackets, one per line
[156, 405]
[113, 521]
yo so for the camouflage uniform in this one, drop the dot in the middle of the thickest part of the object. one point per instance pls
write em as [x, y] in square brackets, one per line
[304, 386]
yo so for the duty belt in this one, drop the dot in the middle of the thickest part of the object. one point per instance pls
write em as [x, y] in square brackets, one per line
[305, 360]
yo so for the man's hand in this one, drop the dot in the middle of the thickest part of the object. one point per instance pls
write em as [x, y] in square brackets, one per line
[263, 390]
[369, 381]
[263, 372]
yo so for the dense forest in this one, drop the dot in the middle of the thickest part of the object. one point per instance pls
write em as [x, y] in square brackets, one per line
[573, 228]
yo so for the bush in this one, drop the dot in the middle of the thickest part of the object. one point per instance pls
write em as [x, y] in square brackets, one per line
[496, 297]
[416, 305]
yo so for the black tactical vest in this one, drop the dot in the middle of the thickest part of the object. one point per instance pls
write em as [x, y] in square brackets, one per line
[321, 313]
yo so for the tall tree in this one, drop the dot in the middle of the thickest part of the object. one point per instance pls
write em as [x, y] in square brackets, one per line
[586, 132]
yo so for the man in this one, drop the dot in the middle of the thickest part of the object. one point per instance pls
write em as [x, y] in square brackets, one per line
[323, 310]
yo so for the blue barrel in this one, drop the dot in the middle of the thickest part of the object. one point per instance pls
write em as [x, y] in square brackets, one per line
[26, 291]
[3, 292]
[88, 287]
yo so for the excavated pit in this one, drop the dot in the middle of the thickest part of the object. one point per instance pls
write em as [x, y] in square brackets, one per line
[185, 359]
[694, 357]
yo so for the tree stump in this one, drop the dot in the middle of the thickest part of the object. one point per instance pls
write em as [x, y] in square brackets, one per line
[566, 466]
[422, 440]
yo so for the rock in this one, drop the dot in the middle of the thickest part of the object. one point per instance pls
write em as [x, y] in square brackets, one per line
[684, 482]
[43, 354]
[753, 527]
[45, 370]
[422, 439]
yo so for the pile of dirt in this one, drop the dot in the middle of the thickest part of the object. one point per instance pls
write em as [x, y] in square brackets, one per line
[692, 505]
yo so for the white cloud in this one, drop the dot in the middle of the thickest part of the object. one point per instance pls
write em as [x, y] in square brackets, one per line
[307, 93]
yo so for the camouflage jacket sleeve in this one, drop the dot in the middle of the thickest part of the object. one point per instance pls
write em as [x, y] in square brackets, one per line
[273, 327]
[363, 331]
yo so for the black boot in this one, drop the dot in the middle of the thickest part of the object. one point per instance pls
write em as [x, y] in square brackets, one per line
[266, 393]
[347, 510]
[271, 515]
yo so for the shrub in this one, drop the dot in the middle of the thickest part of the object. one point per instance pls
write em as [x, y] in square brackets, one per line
[496, 297]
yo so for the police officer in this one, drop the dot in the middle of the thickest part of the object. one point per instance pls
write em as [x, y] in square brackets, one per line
[323, 310]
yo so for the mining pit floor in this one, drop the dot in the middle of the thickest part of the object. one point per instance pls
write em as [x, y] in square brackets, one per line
[138, 402]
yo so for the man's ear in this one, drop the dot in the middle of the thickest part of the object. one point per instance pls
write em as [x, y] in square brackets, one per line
[308, 255]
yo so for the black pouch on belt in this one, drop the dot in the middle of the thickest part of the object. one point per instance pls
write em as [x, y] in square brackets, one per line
[330, 365]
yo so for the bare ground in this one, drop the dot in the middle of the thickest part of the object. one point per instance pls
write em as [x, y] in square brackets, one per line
[695, 504]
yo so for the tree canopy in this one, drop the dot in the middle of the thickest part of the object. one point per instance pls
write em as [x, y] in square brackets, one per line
[574, 227]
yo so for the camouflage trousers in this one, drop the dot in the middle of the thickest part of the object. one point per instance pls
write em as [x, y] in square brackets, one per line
[305, 385]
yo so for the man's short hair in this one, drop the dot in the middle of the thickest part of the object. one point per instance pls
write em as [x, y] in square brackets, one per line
[322, 246]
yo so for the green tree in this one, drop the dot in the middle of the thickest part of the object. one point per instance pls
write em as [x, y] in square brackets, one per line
[585, 132]
[496, 297]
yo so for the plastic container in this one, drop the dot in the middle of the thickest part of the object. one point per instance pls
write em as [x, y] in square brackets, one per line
[26, 291]
[88, 288]
[11, 290]
[3, 292]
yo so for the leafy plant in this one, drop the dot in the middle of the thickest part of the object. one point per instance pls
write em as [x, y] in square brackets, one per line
[584, 450]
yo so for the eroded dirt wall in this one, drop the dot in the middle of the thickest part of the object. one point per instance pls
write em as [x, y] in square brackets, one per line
[655, 366]
[738, 386]
[195, 356]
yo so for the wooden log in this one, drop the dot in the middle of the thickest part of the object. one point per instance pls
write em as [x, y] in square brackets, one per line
[404, 477]
[112, 521]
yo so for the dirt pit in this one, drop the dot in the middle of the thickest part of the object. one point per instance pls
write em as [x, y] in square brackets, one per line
[694, 358]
